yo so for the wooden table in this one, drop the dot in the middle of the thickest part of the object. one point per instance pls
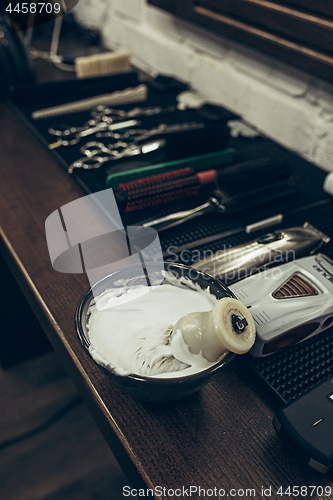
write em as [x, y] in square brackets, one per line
[222, 437]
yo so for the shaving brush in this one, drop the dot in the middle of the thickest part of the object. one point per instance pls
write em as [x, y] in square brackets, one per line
[205, 338]
[198, 338]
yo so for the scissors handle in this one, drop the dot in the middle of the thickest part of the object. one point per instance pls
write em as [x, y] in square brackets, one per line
[93, 130]
[102, 111]
[94, 162]
[73, 135]
[87, 163]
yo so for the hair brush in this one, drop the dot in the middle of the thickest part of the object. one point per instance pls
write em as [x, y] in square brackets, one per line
[162, 188]
[238, 187]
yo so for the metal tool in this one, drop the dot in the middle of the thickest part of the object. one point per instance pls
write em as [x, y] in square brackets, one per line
[95, 148]
[102, 111]
[217, 202]
[240, 186]
[64, 130]
[93, 162]
[74, 137]
[103, 114]
[250, 228]
[162, 129]
[213, 204]
[236, 263]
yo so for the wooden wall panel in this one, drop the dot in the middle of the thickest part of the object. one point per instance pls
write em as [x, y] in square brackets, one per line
[298, 32]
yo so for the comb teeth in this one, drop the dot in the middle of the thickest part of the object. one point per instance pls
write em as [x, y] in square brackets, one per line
[160, 189]
[116, 98]
[295, 286]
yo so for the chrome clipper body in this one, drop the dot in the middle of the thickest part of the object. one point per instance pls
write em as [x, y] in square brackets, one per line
[274, 248]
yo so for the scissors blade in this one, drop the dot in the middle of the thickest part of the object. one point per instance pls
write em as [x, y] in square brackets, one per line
[106, 126]
[103, 126]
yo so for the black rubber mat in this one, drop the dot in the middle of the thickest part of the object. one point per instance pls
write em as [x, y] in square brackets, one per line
[292, 372]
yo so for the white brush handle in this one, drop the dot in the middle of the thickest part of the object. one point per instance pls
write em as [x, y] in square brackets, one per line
[207, 337]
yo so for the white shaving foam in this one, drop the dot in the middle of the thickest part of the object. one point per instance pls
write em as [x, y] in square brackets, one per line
[129, 328]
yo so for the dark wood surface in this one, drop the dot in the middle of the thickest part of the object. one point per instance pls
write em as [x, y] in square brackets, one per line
[221, 437]
[50, 446]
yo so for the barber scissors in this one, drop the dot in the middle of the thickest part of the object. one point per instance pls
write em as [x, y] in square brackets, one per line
[138, 135]
[123, 138]
[95, 160]
[104, 114]
[62, 130]
[96, 148]
[72, 135]
[102, 111]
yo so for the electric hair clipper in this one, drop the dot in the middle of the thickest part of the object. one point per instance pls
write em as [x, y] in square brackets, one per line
[274, 248]
[288, 303]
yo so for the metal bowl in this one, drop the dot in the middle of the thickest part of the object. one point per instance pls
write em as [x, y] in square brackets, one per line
[149, 388]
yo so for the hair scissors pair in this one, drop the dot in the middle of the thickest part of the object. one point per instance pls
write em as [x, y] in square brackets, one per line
[69, 136]
[138, 135]
[102, 118]
[94, 158]
[102, 112]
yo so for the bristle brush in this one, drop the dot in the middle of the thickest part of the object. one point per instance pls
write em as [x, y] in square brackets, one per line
[235, 181]
[198, 163]
[162, 188]
[242, 187]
